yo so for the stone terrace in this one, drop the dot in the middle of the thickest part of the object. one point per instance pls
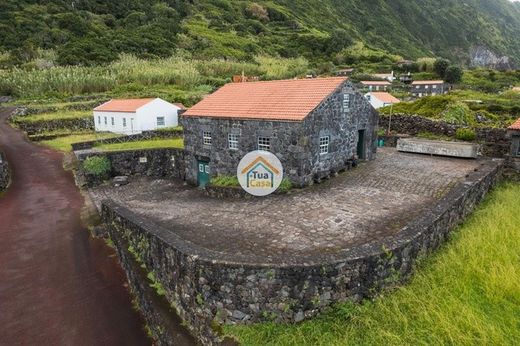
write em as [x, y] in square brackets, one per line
[368, 203]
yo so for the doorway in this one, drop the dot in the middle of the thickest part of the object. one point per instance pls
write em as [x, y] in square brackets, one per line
[203, 173]
[361, 145]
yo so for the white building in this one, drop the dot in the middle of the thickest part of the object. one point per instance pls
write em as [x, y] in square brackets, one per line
[132, 116]
[381, 99]
[386, 76]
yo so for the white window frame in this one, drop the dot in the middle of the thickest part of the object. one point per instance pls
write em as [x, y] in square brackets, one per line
[233, 141]
[346, 101]
[124, 122]
[106, 121]
[206, 137]
[113, 121]
[324, 145]
[99, 119]
[163, 122]
[264, 143]
[434, 87]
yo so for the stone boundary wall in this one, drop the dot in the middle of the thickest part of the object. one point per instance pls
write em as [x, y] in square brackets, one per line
[37, 127]
[157, 163]
[5, 173]
[494, 141]
[174, 133]
[208, 289]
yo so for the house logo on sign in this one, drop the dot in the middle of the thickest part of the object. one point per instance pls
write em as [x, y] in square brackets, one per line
[260, 173]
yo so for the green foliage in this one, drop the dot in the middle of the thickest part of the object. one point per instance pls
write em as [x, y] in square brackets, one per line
[465, 294]
[285, 185]
[453, 74]
[458, 113]
[97, 165]
[63, 143]
[225, 180]
[466, 134]
[144, 144]
[440, 66]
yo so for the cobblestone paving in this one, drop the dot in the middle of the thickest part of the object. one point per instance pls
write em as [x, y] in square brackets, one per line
[372, 201]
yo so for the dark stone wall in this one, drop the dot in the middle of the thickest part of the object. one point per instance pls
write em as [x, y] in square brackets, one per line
[494, 141]
[207, 290]
[36, 127]
[160, 163]
[5, 173]
[130, 138]
[296, 144]
[514, 154]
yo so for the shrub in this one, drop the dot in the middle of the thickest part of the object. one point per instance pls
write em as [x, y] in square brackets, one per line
[97, 165]
[285, 185]
[225, 180]
[465, 134]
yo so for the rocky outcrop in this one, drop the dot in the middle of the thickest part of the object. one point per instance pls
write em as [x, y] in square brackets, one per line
[483, 57]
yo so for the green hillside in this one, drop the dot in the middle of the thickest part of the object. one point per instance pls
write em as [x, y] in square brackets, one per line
[95, 31]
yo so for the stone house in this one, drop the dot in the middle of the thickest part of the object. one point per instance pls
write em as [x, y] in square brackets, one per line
[314, 126]
[422, 88]
[374, 85]
[514, 133]
[133, 116]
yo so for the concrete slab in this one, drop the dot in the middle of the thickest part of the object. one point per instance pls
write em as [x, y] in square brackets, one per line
[439, 148]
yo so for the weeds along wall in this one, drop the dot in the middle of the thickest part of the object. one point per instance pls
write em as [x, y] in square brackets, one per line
[208, 289]
[494, 141]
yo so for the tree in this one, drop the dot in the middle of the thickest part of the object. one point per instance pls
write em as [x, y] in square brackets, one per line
[453, 74]
[440, 67]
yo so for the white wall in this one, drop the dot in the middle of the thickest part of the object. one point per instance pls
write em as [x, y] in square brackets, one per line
[148, 114]
[145, 118]
[375, 102]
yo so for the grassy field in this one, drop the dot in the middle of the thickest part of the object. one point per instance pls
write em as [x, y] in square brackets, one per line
[148, 144]
[468, 293]
[64, 143]
[60, 115]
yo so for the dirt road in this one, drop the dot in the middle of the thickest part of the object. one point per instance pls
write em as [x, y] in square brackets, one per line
[57, 286]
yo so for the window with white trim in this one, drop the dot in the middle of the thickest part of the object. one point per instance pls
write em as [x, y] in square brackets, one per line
[264, 143]
[99, 119]
[346, 102]
[106, 121]
[206, 138]
[124, 122]
[324, 145]
[434, 87]
[233, 141]
[160, 121]
[113, 121]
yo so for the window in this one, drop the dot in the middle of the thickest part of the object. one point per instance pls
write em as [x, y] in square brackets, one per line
[427, 86]
[264, 143]
[346, 101]
[417, 87]
[206, 138]
[233, 141]
[518, 149]
[160, 121]
[113, 121]
[124, 122]
[99, 119]
[106, 121]
[324, 145]
[434, 87]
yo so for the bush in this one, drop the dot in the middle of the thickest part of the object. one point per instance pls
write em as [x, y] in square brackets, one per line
[225, 180]
[97, 165]
[285, 185]
[465, 134]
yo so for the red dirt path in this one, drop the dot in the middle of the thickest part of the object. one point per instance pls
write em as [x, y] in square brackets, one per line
[57, 286]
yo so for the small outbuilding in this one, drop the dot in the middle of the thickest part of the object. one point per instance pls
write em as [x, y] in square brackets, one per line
[422, 88]
[316, 127]
[133, 116]
[381, 99]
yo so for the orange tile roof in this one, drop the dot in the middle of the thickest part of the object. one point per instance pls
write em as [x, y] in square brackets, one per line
[125, 106]
[427, 82]
[375, 82]
[515, 126]
[385, 97]
[289, 100]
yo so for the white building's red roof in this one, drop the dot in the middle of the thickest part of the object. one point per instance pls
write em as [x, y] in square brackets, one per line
[123, 105]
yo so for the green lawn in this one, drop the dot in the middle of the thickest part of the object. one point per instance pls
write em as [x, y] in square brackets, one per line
[468, 293]
[64, 143]
[62, 114]
[148, 144]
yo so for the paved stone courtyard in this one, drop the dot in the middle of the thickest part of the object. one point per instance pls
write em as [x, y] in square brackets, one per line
[372, 201]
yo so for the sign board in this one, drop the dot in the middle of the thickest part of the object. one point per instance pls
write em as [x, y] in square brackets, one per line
[260, 173]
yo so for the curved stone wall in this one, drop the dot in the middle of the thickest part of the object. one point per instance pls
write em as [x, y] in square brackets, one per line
[207, 289]
[5, 174]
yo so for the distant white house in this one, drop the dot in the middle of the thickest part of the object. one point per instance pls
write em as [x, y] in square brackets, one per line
[381, 99]
[375, 85]
[132, 116]
[386, 76]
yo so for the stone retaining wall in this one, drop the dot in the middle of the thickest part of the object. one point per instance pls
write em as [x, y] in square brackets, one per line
[174, 133]
[494, 142]
[207, 291]
[158, 163]
[36, 127]
[5, 173]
